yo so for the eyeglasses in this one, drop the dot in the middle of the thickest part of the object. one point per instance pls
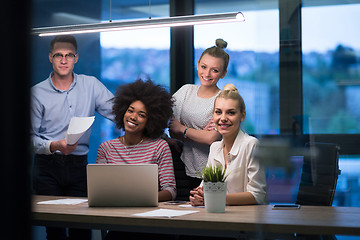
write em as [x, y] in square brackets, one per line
[69, 57]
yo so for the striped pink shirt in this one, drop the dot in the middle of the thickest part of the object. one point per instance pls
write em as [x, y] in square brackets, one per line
[151, 151]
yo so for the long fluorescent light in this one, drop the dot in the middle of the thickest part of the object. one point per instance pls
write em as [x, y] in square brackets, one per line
[139, 24]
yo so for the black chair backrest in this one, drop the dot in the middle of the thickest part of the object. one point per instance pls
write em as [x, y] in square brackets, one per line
[182, 180]
[319, 175]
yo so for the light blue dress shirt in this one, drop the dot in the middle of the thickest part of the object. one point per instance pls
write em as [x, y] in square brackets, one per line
[52, 109]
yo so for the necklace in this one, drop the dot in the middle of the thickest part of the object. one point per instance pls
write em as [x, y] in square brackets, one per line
[131, 146]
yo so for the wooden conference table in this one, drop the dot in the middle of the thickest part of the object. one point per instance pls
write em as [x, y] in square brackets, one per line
[234, 222]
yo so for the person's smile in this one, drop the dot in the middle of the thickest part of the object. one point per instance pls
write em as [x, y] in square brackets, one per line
[135, 117]
[227, 116]
[224, 126]
[207, 79]
[63, 67]
[131, 123]
[210, 70]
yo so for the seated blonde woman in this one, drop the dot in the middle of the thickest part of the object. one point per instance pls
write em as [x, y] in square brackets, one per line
[246, 183]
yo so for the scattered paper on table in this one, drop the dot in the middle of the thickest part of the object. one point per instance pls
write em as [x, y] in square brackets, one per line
[66, 201]
[190, 206]
[77, 127]
[165, 213]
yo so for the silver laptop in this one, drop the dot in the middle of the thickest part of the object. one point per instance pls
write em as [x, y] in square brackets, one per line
[122, 185]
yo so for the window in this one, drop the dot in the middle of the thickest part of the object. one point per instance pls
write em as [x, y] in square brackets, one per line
[129, 55]
[331, 68]
[253, 68]
[114, 58]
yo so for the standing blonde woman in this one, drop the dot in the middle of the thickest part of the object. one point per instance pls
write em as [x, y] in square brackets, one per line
[192, 121]
[246, 182]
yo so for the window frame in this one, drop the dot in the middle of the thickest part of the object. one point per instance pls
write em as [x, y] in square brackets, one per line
[290, 75]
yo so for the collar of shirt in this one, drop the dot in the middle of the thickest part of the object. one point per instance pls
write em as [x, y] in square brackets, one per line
[236, 146]
[234, 149]
[58, 90]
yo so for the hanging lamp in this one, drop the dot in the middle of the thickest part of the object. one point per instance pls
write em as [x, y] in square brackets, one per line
[140, 24]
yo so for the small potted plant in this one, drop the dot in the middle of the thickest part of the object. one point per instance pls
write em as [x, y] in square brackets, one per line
[214, 186]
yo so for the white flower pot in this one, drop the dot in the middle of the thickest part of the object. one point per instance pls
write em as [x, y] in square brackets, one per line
[215, 196]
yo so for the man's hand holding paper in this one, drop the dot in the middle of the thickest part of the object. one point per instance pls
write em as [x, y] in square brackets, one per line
[62, 146]
[77, 127]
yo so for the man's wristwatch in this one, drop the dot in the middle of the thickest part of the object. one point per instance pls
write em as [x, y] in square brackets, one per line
[185, 132]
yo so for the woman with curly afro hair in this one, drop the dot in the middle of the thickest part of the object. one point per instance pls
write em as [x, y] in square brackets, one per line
[142, 109]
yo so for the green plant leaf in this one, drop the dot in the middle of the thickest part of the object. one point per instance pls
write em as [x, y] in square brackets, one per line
[213, 174]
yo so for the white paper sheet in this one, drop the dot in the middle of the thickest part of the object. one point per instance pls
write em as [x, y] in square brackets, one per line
[66, 201]
[190, 206]
[165, 213]
[77, 127]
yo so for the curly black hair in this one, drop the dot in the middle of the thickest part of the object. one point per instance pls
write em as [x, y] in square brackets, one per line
[157, 100]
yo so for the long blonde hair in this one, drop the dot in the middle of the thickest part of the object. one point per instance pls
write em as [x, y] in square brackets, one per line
[230, 92]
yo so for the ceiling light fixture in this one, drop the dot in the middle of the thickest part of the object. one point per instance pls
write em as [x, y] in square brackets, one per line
[140, 24]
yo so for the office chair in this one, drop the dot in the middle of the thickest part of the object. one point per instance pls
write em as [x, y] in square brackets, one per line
[319, 175]
[317, 186]
[182, 180]
[318, 179]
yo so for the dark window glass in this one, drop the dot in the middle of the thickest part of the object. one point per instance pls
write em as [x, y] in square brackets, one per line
[253, 68]
[331, 68]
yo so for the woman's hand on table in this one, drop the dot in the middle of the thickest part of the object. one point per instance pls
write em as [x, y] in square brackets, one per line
[197, 197]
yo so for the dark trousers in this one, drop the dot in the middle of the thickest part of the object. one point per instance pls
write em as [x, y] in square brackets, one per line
[59, 175]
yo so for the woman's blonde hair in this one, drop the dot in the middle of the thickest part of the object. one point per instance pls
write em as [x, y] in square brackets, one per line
[230, 92]
[218, 52]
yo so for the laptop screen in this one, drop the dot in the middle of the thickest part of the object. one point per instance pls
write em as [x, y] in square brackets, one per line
[122, 185]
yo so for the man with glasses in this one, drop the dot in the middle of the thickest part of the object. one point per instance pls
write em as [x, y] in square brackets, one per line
[60, 168]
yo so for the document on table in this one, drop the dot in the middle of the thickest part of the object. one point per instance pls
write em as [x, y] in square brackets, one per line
[165, 213]
[66, 201]
[77, 127]
[190, 206]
